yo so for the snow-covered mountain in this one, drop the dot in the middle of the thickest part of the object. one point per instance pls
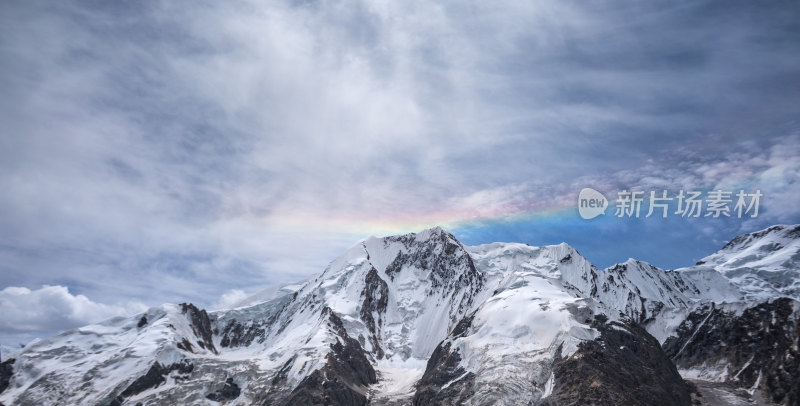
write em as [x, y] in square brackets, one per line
[763, 264]
[422, 319]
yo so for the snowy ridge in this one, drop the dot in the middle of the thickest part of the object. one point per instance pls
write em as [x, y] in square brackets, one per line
[94, 358]
[763, 264]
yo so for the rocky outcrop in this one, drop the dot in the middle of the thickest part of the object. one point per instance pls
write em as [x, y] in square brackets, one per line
[752, 348]
[444, 381]
[201, 325]
[341, 381]
[6, 370]
[229, 391]
[443, 255]
[235, 334]
[624, 366]
[376, 298]
[154, 377]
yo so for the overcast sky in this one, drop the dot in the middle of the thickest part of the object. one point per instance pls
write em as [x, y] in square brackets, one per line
[172, 151]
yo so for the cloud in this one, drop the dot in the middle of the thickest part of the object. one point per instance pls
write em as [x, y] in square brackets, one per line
[230, 298]
[191, 149]
[51, 309]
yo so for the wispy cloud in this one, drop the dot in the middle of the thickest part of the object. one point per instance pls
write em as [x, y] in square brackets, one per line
[217, 146]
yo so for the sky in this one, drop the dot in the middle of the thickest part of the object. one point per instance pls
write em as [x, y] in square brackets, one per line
[172, 151]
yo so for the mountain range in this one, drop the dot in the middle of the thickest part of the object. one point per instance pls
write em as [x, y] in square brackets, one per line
[421, 319]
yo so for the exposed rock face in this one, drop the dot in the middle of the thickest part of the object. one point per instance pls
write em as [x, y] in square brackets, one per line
[228, 392]
[348, 361]
[752, 348]
[444, 381]
[6, 370]
[154, 377]
[341, 381]
[376, 298]
[236, 334]
[201, 325]
[443, 255]
[624, 366]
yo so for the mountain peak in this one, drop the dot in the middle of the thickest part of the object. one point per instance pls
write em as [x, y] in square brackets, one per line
[433, 233]
[780, 231]
[633, 261]
[762, 263]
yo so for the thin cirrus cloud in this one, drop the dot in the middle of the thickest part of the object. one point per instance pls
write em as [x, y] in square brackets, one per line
[178, 150]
